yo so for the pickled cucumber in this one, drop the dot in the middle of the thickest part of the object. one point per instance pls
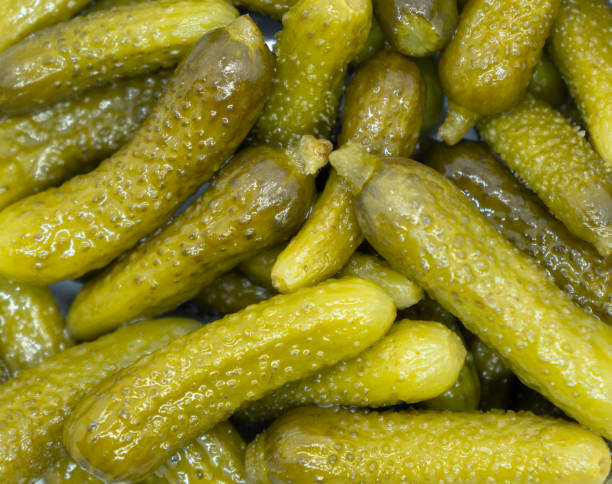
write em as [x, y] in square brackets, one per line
[258, 199]
[34, 405]
[271, 8]
[335, 445]
[124, 430]
[428, 230]
[206, 111]
[98, 5]
[258, 268]
[555, 160]
[375, 43]
[434, 96]
[547, 84]
[496, 379]
[93, 49]
[48, 146]
[230, 293]
[520, 216]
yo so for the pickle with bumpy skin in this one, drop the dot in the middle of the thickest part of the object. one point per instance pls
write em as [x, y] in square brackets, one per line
[434, 97]
[580, 45]
[35, 404]
[427, 229]
[335, 445]
[417, 27]
[93, 49]
[556, 162]
[520, 216]
[318, 40]
[48, 146]
[230, 293]
[258, 267]
[487, 66]
[205, 112]
[201, 379]
[258, 199]
[546, 83]
[374, 44]
[496, 379]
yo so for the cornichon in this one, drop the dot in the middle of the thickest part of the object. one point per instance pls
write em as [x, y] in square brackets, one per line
[93, 49]
[496, 379]
[123, 431]
[520, 216]
[487, 66]
[258, 199]
[555, 160]
[35, 404]
[434, 235]
[318, 40]
[335, 445]
[417, 27]
[271, 8]
[375, 43]
[49, 146]
[415, 361]
[580, 45]
[206, 111]
[434, 96]
[546, 83]
[98, 5]
[258, 268]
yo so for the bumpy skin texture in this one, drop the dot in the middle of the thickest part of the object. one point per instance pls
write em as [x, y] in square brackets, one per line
[581, 47]
[201, 379]
[35, 404]
[546, 83]
[496, 379]
[93, 49]
[206, 111]
[49, 146]
[258, 199]
[434, 96]
[556, 162]
[335, 445]
[417, 28]
[416, 360]
[310, 73]
[426, 228]
[230, 293]
[31, 325]
[520, 216]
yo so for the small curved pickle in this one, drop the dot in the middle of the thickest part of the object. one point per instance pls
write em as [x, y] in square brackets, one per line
[336, 446]
[546, 83]
[258, 268]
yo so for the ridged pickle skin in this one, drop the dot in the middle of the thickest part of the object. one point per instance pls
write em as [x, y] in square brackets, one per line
[522, 218]
[496, 378]
[93, 49]
[310, 74]
[35, 404]
[553, 158]
[31, 325]
[258, 268]
[206, 111]
[427, 229]
[258, 199]
[336, 445]
[580, 45]
[200, 380]
[547, 84]
[50, 145]
[414, 361]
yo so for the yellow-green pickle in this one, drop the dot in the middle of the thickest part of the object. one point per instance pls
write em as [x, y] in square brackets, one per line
[556, 162]
[258, 268]
[546, 83]
[50, 145]
[434, 96]
[375, 43]
[35, 404]
[90, 50]
[205, 112]
[258, 199]
[271, 8]
[337, 446]
[428, 230]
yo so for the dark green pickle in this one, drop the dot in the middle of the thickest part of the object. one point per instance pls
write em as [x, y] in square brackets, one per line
[434, 96]
[375, 43]
[496, 378]
[547, 84]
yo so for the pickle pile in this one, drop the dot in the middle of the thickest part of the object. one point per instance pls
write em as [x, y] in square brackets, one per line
[293, 264]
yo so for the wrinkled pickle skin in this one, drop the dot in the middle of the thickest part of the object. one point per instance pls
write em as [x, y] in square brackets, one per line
[206, 111]
[49, 146]
[337, 445]
[520, 216]
[580, 45]
[93, 49]
[35, 404]
[219, 368]
[546, 83]
[555, 160]
[230, 293]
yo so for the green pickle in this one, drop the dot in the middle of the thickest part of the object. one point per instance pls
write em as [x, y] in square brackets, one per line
[546, 83]
[258, 268]
[556, 162]
[434, 96]
[93, 49]
[496, 378]
[271, 8]
[417, 28]
[520, 216]
[487, 66]
[206, 111]
[35, 404]
[48, 146]
[434, 235]
[258, 199]
[123, 431]
[375, 43]
[336, 446]
[98, 5]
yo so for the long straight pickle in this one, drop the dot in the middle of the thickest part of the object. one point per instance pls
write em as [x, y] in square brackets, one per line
[426, 228]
